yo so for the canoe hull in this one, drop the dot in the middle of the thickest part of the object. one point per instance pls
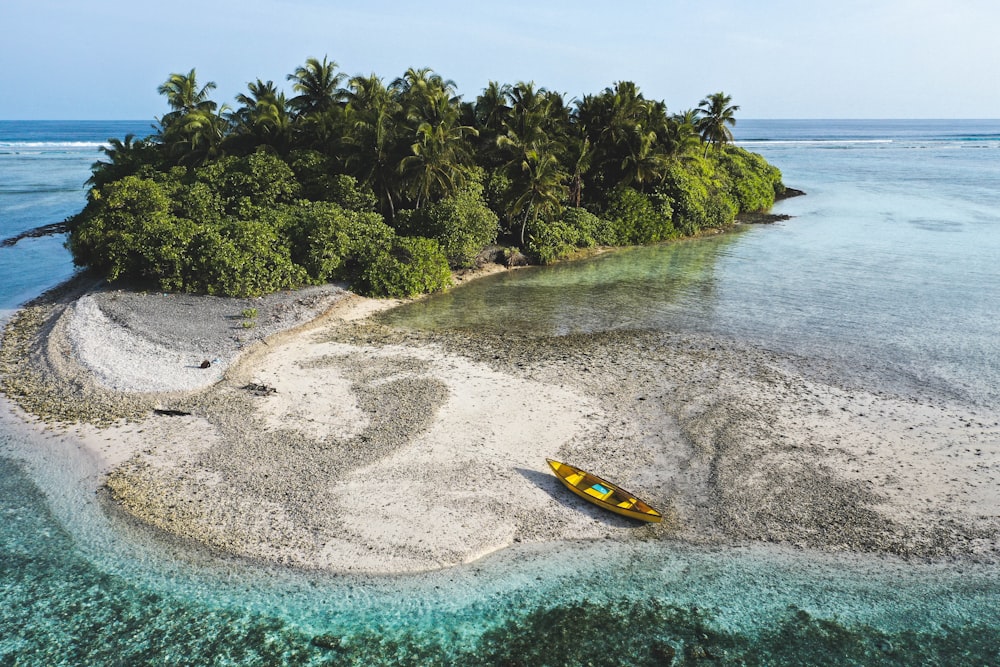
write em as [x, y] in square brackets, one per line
[603, 493]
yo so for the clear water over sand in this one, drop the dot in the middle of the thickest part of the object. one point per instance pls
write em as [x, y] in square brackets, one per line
[890, 266]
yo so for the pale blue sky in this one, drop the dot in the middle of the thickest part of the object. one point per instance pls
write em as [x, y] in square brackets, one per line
[103, 59]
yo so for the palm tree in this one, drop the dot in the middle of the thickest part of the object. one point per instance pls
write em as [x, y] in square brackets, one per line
[194, 131]
[627, 134]
[375, 148]
[262, 104]
[531, 125]
[526, 122]
[426, 97]
[440, 153]
[492, 108]
[490, 112]
[715, 113]
[628, 110]
[539, 186]
[687, 117]
[263, 118]
[439, 161]
[537, 135]
[680, 136]
[183, 94]
[579, 157]
[439, 150]
[124, 159]
[198, 137]
[318, 87]
[644, 162]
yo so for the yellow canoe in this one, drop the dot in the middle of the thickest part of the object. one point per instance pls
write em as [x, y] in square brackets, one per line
[603, 493]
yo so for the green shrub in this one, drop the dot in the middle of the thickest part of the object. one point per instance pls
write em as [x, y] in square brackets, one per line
[552, 241]
[197, 201]
[325, 238]
[163, 253]
[256, 223]
[368, 235]
[633, 218]
[496, 192]
[548, 242]
[750, 180]
[249, 186]
[127, 231]
[699, 199]
[410, 266]
[587, 225]
[463, 224]
[315, 172]
[241, 258]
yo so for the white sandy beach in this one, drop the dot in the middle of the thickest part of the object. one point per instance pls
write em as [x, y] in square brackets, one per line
[389, 452]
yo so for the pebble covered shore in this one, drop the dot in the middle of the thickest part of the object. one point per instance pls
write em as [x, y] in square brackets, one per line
[735, 444]
[39, 361]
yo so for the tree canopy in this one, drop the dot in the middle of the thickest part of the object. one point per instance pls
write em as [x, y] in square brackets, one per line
[388, 185]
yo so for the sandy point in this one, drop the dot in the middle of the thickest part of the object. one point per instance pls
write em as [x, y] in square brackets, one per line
[321, 451]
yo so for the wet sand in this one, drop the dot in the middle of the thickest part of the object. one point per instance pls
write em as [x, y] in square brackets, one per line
[320, 438]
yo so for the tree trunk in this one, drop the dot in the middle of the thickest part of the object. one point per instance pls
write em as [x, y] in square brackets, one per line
[524, 223]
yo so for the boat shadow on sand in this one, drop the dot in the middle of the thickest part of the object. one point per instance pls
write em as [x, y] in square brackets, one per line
[552, 486]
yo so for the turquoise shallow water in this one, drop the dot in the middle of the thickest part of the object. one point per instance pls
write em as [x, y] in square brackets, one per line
[888, 272]
[80, 588]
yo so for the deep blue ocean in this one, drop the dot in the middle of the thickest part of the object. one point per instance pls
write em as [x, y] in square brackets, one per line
[888, 271]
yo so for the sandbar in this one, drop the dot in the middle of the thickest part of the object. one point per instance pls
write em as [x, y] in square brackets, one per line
[320, 437]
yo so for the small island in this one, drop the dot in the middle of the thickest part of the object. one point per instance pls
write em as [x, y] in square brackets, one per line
[216, 404]
[391, 187]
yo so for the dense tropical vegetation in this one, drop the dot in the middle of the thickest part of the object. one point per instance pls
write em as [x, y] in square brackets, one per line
[391, 186]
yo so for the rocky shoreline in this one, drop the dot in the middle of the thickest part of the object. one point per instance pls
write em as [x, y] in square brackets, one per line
[370, 438]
